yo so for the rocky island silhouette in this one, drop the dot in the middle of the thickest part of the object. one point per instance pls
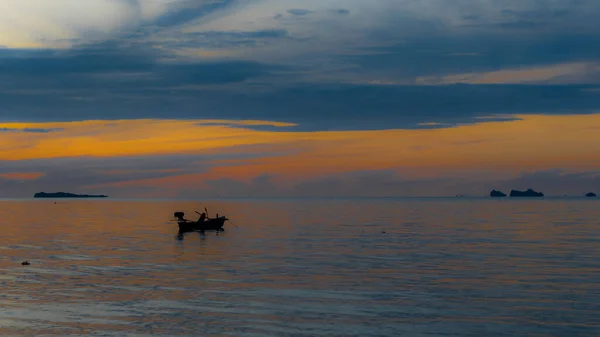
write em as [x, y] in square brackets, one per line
[516, 193]
[528, 193]
[66, 195]
[497, 194]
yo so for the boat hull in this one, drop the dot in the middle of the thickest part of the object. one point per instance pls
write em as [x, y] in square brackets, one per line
[207, 225]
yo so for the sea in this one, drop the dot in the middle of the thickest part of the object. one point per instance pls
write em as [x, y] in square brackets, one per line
[302, 267]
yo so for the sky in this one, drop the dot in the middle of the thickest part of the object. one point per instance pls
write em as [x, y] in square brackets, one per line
[276, 98]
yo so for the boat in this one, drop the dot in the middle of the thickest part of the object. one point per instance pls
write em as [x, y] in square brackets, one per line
[204, 223]
[215, 224]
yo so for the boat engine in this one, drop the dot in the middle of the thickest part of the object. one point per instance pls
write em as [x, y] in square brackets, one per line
[179, 215]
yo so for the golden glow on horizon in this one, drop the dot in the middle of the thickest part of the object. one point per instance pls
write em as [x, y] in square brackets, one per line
[537, 142]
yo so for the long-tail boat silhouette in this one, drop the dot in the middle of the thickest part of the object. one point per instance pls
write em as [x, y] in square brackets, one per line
[204, 223]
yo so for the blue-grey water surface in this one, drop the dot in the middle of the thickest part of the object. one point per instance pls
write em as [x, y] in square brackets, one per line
[370, 267]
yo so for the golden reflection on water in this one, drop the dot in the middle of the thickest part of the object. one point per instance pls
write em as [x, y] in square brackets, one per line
[305, 267]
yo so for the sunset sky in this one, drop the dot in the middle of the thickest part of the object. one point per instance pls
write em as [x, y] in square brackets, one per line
[249, 98]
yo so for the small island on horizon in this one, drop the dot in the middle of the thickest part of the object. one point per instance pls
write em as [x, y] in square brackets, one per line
[497, 194]
[66, 195]
[515, 193]
[529, 193]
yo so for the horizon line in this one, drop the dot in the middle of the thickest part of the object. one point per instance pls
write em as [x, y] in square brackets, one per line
[583, 196]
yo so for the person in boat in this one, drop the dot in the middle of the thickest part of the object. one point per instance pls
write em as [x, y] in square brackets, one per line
[202, 217]
[179, 216]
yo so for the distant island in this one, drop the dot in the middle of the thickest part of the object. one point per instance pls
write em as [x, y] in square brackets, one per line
[66, 195]
[528, 193]
[590, 195]
[497, 194]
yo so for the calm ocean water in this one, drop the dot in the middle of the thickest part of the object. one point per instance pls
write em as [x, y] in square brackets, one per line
[379, 267]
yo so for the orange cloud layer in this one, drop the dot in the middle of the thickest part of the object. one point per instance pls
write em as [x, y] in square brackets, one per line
[519, 75]
[126, 138]
[536, 142]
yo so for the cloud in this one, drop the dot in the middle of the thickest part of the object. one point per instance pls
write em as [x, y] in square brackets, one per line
[87, 174]
[311, 107]
[409, 61]
[368, 183]
[130, 138]
[21, 176]
[328, 75]
[553, 74]
[67, 23]
[299, 12]
[109, 81]
[210, 40]
[55, 23]
[29, 130]
[340, 11]
[200, 155]
[323, 71]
